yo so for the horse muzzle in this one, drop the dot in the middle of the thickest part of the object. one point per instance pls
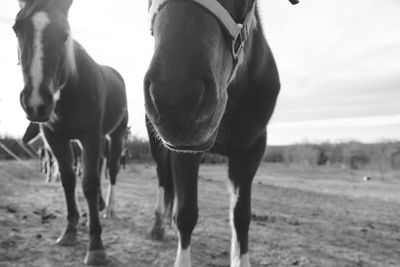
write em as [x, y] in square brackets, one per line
[37, 107]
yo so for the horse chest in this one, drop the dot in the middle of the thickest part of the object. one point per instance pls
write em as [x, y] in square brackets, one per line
[71, 120]
[238, 132]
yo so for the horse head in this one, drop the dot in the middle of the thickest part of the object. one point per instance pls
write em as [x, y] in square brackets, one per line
[186, 84]
[44, 49]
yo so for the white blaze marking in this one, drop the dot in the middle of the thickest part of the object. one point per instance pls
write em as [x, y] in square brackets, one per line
[236, 259]
[182, 256]
[40, 21]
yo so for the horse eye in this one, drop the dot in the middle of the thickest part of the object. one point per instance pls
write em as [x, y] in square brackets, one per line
[17, 27]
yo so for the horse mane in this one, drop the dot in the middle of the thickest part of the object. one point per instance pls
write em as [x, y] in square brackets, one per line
[28, 6]
[70, 62]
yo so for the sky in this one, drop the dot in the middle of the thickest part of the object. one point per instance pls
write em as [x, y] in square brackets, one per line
[339, 64]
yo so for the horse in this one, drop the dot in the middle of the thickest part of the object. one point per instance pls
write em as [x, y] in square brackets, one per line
[45, 155]
[47, 163]
[71, 97]
[77, 149]
[126, 154]
[212, 85]
[105, 154]
[41, 154]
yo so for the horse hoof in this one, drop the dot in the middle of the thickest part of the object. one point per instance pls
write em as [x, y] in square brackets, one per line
[96, 257]
[67, 240]
[157, 233]
[109, 214]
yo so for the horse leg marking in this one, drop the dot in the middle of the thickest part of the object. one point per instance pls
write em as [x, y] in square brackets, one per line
[110, 202]
[160, 201]
[55, 172]
[237, 260]
[157, 232]
[182, 256]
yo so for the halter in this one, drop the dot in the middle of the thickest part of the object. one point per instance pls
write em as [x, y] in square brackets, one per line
[239, 32]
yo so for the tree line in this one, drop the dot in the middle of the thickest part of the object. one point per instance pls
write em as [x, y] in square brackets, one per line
[384, 155]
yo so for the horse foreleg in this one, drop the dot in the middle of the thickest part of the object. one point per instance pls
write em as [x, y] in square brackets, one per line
[91, 184]
[55, 171]
[185, 168]
[242, 169]
[79, 167]
[113, 167]
[165, 190]
[163, 174]
[101, 203]
[48, 166]
[63, 155]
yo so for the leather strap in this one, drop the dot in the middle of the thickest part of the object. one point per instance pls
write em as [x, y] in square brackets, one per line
[215, 8]
[239, 32]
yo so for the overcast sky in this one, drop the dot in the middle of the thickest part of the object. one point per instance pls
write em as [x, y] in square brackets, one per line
[339, 64]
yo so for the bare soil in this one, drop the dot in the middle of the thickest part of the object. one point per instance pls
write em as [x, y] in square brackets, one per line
[301, 217]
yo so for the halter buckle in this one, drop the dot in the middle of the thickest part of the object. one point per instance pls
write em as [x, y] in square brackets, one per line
[238, 44]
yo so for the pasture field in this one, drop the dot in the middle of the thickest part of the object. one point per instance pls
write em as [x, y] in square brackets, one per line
[318, 217]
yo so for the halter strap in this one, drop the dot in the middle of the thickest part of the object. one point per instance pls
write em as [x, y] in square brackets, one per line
[239, 32]
[215, 8]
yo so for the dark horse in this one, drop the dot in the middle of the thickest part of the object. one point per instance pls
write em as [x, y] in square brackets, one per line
[48, 164]
[72, 97]
[211, 86]
[45, 154]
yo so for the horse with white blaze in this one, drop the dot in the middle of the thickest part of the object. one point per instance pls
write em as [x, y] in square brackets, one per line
[71, 97]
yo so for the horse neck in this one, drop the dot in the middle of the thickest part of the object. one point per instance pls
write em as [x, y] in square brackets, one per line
[69, 72]
[78, 61]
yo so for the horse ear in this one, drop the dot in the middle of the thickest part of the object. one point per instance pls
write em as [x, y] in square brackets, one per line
[22, 3]
[64, 5]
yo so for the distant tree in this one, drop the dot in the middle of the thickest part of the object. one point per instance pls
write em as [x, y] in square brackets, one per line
[274, 154]
[395, 160]
[382, 153]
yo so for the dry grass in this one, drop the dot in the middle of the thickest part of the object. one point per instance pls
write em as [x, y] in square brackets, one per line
[301, 217]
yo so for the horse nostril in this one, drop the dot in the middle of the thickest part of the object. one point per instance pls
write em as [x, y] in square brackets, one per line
[41, 110]
[150, 100]
[21, 98]
[29, 110]
[48, 98]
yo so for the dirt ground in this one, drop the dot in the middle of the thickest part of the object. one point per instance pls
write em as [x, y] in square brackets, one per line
[301, 217]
